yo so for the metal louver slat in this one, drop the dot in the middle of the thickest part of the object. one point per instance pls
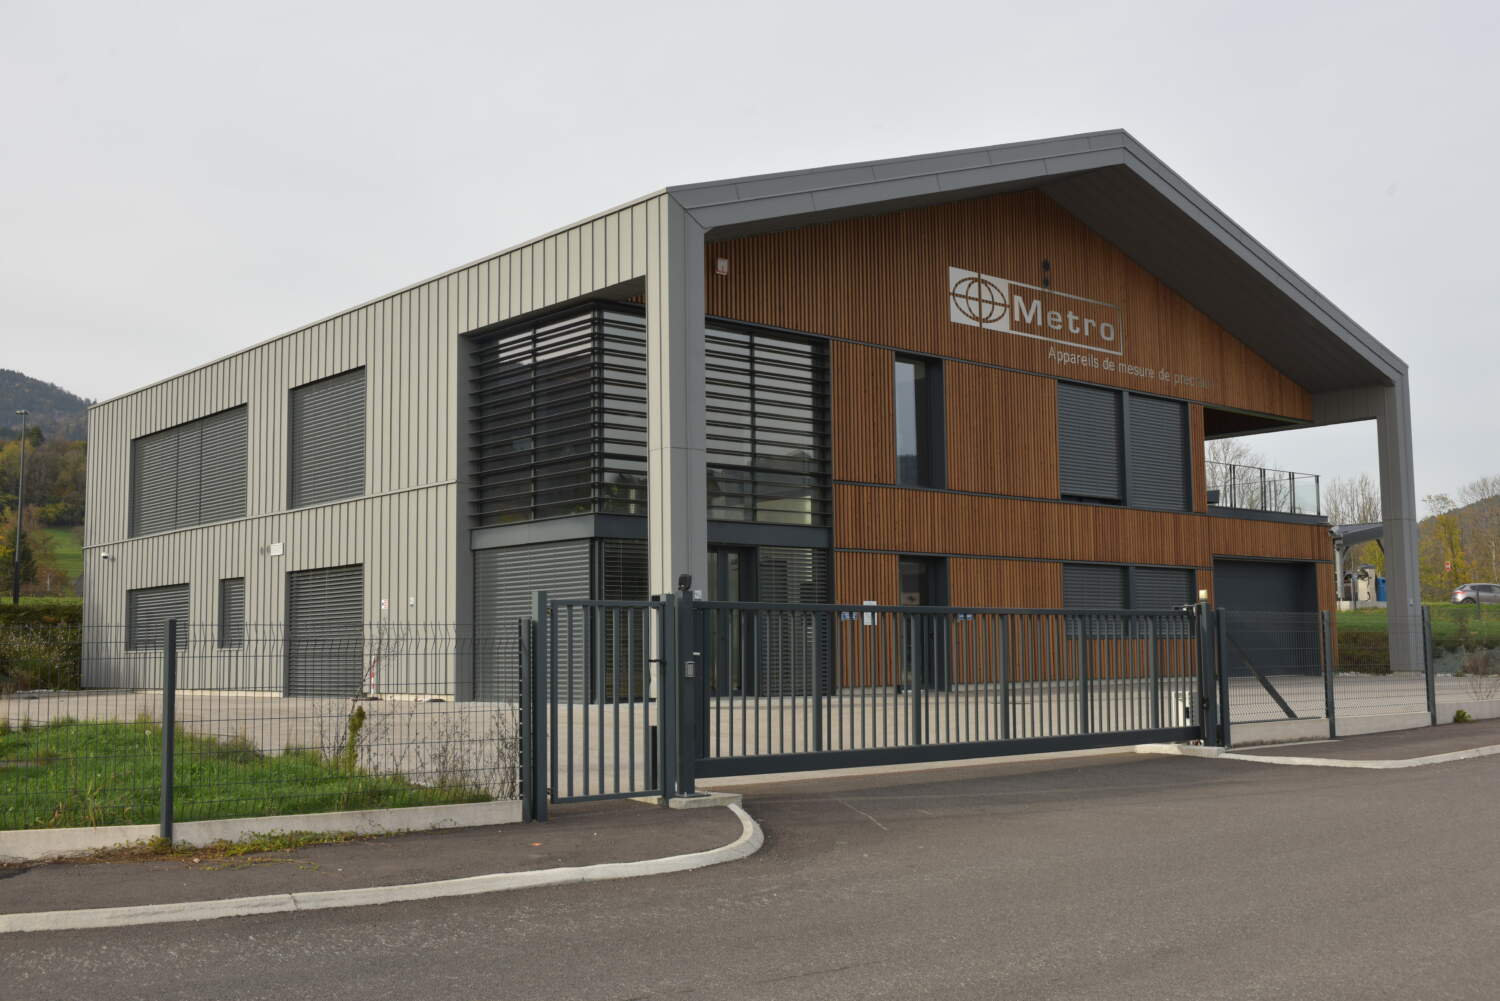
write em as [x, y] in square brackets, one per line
[147, 611]
[232, 613]
[325, 631]
[326, 444]
[503, 582]
[1088, 440]
[1158, 447]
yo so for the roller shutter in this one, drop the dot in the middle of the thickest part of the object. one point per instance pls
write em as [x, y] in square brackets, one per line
[325, 631]
[503, 582]
[232, 613]
[1158, 454]
[326, 444]
[1088, 441]
[1155, 589]
[147, 611]
[1093, 586]
[191, 474]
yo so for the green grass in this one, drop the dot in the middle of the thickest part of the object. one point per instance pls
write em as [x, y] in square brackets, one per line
[76, 774]
[67, 545]
[1362, 633]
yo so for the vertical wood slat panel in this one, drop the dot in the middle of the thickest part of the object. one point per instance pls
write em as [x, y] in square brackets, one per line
[1005, 583]
[864, 421]
[860, 577]
[1196, 467]
[883, 280]
[1001, 431]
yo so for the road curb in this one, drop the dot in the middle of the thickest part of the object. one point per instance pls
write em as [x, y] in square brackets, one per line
[748, 843]
[1268, 759]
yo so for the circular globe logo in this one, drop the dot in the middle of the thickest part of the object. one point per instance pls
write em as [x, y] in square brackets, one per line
[978, 299]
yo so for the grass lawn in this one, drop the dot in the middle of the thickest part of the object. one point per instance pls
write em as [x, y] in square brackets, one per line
[1362, 633]
[67, 544]
[74, 774]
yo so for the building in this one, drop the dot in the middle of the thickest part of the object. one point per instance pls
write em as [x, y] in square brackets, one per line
[980, 378]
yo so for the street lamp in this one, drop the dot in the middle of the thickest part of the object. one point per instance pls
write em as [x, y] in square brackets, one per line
[15, 574]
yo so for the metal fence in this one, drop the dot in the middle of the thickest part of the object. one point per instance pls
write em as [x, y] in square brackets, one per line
[101, 726]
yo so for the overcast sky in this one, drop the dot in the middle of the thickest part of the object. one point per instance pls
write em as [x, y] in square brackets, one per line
[178, 181]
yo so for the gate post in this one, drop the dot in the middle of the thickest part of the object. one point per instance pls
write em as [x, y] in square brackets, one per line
[1429, 667]
[536, 701]
[685, 673]
[168, 730]
[1325, 653]
[1221, 643]
[1207, 621]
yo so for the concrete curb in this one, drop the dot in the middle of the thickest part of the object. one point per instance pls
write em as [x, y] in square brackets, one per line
[748, 843]
[1267, 759]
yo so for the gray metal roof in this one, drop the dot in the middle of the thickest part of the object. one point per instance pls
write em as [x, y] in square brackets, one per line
[1118, 188]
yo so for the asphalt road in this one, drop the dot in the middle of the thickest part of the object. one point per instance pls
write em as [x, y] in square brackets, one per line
[1114, 878]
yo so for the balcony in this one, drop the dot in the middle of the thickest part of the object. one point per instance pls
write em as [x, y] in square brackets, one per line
[1273, 491]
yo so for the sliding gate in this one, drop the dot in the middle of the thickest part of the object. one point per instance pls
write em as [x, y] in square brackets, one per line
[642, 698]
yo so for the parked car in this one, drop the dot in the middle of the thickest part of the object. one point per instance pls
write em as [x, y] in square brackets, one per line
[1476, 594]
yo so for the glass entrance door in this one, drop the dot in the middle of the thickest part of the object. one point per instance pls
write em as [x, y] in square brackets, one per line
[731, 577]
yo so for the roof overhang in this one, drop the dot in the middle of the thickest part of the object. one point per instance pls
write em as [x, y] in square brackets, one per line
[1118, 188]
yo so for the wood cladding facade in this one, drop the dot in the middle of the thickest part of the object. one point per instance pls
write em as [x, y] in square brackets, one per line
[879, 286]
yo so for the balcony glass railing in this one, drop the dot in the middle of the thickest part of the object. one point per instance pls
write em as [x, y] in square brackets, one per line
[1251, 488]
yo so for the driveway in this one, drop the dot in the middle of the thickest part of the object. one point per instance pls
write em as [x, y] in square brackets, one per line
[1113, 877]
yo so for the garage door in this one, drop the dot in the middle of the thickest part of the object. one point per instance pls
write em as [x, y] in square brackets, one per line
[1263, 586]
[503, 582]
[1273, 627]
[325, 631]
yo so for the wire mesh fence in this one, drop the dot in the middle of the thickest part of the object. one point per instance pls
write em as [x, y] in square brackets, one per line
[267, 722]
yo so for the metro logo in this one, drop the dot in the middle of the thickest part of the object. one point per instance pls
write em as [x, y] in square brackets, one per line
[1012, 307]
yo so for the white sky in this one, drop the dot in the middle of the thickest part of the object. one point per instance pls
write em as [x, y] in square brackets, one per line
[178, 181]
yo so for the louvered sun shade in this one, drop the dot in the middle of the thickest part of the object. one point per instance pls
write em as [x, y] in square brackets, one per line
[326, 442]
[190, 474]
[1088, 432]
[1158, 461]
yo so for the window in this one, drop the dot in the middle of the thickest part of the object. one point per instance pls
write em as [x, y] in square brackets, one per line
[326, 441]
[1122, 448]
[191, 474]
[1105, 587]
[923, 580]
[919, 422]
[767, 421]
[232, 613]
[147, 612]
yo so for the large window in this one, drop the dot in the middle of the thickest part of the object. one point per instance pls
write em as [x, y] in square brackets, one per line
[1122, 448]
[326, 444]
[558, 418]
[558, 421]
[767, 423]
[919, 422]
[191, 474]
[147, 612]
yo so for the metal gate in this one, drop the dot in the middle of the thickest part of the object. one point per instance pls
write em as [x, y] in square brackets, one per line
[624, 699]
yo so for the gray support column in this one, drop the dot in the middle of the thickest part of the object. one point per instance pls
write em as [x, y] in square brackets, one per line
[1390, 408]
[677, 518]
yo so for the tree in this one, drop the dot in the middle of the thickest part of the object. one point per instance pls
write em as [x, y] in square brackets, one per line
[36, 550]
[1442, 564]
[1480, 518]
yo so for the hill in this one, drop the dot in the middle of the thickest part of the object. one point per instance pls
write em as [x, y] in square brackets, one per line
[59, 413]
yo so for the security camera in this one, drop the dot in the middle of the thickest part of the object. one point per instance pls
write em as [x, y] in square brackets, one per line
[105, 556]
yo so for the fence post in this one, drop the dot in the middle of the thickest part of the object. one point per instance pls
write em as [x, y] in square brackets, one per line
[1429, 664]
[666, 743]
[538, 696]
[1326, 642]
[1221, 642]
[1206, 622]
[685, 676]
[168, 728]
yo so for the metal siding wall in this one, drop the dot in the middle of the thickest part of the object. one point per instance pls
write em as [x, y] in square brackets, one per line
[406, 528]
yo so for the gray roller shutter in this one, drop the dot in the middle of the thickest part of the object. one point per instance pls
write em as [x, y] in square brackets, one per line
[504, 580]
[1271, 616]
[1155, 589]
[147, 611]
[325, 631]
[794, 648]
[1093, 586]
[191, 474]
[1088, 442]
[1158, 449]
[326, 441]
[232, 613]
